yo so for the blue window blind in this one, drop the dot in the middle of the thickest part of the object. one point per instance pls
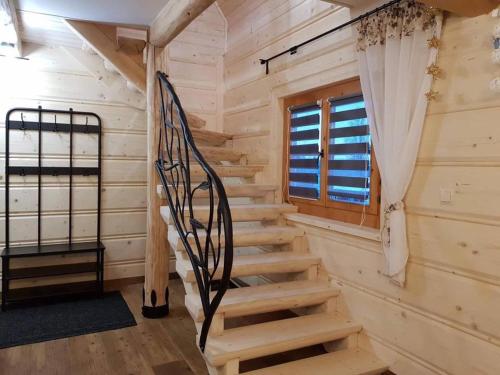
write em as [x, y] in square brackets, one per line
[349, 159]
[304, 163]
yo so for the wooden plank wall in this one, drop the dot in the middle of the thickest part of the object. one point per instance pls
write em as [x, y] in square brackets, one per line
[446, 319]
[53, 77]
[194, 64]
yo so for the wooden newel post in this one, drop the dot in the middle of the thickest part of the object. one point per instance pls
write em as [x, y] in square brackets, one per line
[155, 297]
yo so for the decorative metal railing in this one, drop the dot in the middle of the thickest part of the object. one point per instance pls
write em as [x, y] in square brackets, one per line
[208, 243]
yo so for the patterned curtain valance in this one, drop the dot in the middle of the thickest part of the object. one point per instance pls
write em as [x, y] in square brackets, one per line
[395, 22]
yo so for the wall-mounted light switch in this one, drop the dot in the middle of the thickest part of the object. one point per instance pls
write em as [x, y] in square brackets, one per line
[446, 195]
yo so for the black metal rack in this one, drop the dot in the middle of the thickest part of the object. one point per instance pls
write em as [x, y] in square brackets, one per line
[50, 292]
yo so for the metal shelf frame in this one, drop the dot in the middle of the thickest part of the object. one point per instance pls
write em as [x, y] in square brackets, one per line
[44, 249]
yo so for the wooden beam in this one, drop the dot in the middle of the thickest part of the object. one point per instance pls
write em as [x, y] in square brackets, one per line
[113, 86]
[157, 248]
[106, 48]
[469, 8]
[173, 18]
[10, 30]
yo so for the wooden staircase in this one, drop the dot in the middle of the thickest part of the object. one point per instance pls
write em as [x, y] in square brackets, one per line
[265, 245]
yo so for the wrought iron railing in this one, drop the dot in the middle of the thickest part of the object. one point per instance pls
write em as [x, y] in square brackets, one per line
[208, 243]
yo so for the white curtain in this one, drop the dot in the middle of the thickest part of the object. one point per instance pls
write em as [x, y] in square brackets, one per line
[395, 49]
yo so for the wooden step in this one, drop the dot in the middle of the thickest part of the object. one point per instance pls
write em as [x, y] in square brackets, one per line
[211, 153]
[197, 172]
[261, 236]
[353, 361]
[232, 191]
[251, 265]
[266, 298]
[195, 121]
[279, 336]
[209, 138]
[242, 171]
[220, 153]
[239, 212]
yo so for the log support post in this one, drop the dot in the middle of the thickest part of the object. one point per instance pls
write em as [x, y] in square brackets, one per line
[155, 297]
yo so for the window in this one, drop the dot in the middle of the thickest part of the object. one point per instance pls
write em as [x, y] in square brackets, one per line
[330, 166]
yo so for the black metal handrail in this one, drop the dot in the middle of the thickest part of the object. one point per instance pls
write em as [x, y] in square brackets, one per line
[174, 168]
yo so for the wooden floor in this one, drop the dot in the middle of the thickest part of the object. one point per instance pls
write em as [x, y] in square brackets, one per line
[158, 347]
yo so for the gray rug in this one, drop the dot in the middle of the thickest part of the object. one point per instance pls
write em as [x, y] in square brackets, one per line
[29, 325]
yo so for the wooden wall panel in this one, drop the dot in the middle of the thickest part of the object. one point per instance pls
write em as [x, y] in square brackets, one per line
[474, 190]
[466, 308]
[445, 320]
[465, 136]
[52, 78]
[193, 61]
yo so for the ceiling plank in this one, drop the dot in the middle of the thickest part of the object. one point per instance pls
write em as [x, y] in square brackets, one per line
[11, 31]
[175, 16]
[107, 49]
[464, 7]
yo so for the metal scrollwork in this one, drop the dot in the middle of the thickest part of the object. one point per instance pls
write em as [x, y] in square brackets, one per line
[208, 243]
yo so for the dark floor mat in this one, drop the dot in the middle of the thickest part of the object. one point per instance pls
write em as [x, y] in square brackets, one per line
[29, 325]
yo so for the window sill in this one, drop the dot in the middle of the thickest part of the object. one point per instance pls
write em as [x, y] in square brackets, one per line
[335, 226]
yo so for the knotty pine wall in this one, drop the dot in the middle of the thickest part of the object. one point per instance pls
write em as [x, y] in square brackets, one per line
[194, 63]
[446, 319]
[60, 77]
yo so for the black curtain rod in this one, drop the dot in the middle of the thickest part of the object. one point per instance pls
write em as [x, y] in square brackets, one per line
[293, 50]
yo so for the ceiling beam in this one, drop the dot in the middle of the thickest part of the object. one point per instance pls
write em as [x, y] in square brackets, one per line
[106, 47]
[175, 16]
[469, 8]
[10, 28]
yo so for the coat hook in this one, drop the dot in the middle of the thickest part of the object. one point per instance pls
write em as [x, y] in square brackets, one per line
[23, 127]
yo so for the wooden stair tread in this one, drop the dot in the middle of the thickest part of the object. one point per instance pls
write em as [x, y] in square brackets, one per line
[263, 339]
[353, 361]
[195, 121]
[227, 170]
[209, 137]
[260, 236]
[239, 212]
[267, 298]
[243, 171]
[211, 153]
[214, 153]
[232, 191]
[250, 265]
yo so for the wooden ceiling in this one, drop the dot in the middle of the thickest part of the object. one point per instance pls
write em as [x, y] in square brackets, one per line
[469, 8]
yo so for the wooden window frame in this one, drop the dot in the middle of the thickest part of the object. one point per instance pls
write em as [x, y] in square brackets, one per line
[323, 207]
